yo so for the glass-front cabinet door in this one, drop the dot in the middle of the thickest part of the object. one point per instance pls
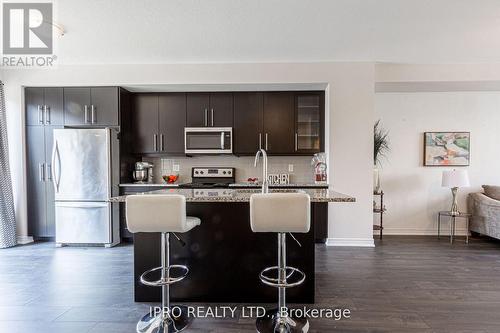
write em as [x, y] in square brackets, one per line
[309, 122]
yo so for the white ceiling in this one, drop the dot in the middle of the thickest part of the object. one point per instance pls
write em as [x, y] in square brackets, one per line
[201, 31]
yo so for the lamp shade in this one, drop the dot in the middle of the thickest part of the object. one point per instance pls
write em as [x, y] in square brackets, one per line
[455, 178]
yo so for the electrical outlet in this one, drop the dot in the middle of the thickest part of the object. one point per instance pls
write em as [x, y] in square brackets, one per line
[290, 167]
[176, 167]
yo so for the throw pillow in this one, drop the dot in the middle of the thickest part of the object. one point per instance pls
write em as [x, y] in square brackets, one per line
[492, 191]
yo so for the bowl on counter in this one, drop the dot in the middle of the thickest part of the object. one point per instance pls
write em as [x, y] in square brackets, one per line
[170, 179]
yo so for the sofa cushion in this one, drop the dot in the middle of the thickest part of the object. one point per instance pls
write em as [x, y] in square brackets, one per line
[492, 191]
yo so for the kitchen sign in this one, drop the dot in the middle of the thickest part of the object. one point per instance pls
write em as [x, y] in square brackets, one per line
[278, 179]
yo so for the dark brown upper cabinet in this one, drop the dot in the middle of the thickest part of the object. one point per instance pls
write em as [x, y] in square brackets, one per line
[96, 106]
[209, 109]
[283, 123]
[172, 120]
[309, 122]
[279, 123]
[248, 122]
[144, 123]
[44, 106]
[157, 123]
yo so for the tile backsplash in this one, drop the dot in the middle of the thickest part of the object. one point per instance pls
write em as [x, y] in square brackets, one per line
[302, 169]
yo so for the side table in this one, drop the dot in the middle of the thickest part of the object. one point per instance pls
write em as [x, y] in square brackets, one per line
[453, 222]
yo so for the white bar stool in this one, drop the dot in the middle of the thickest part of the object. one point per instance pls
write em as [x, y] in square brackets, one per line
[281, 213]
[165, 214]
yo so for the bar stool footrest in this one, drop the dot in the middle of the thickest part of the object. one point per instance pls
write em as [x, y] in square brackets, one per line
[167, 281]
[291, 272]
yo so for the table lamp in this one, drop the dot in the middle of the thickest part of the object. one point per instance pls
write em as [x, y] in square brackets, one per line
[454, 179]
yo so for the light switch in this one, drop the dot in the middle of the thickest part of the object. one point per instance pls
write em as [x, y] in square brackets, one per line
[290, 167]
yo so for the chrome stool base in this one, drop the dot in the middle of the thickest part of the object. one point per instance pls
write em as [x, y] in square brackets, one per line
[271, 323]
[156, 324]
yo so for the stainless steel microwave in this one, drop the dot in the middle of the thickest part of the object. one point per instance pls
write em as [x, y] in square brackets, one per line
[208, 140]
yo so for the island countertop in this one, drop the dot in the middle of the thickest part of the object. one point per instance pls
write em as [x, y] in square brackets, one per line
[243, 195]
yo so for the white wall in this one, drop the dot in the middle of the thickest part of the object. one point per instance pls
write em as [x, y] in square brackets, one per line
[463, 97]
[350, 95]
[413, 192]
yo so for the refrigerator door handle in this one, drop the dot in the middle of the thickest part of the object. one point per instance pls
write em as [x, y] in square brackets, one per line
[55, 178]
[41, 172]
[48, 172]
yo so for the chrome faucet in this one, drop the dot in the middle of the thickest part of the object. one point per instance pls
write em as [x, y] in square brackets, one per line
[265, 183]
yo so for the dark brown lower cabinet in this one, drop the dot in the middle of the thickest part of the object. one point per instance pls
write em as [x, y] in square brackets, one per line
[319, 216]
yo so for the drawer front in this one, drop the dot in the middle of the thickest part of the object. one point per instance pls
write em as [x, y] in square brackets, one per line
[83, 222]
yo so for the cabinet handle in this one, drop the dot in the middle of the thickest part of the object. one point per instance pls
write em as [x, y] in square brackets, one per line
[161, 142]
[40, 116]
[212, 116]
[92, 114]
[155, 145]
[266, 142]
[48, 171]
[260, 140]
[46, 113]
[296, 141]
[86, 109]
[206, 117]
[41, 172]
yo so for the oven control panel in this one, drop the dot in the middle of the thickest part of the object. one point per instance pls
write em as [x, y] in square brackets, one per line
[208, 172]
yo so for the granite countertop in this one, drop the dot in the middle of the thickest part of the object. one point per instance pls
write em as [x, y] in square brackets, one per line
[149, 184]
[249, 185]
[243, 195]
[292, 185]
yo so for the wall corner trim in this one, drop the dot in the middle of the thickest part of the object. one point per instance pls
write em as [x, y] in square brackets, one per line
[21, 240]
[359, 242]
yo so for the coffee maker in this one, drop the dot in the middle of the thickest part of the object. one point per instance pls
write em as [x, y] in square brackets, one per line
[143, 172]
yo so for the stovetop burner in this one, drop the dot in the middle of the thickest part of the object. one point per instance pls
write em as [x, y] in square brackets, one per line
[211, 177]
[205, 185]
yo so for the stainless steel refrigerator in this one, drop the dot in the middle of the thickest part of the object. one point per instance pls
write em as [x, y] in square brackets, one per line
[85, 173]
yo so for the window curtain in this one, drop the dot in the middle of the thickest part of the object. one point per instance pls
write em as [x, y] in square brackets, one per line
[7, 217]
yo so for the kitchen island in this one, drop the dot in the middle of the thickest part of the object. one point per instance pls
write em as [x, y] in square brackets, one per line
[224, 256]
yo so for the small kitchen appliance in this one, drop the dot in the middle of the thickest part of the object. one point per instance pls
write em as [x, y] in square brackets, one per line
[208, 140]
[143, 172]
[211, 177]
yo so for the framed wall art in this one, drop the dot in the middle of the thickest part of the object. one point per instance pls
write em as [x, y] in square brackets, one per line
[446, 148]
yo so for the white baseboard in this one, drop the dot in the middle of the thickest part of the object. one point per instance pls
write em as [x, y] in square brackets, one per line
[420, 232]
[361, 242]
[21, 240]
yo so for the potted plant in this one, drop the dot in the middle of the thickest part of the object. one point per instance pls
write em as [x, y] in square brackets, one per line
[380, 148]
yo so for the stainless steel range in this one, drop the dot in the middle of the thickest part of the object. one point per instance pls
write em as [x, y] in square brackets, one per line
[211, 177]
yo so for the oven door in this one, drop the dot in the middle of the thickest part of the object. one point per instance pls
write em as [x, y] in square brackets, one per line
[208, 140]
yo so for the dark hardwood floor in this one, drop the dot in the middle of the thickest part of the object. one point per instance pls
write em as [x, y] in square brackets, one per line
[405, 284]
